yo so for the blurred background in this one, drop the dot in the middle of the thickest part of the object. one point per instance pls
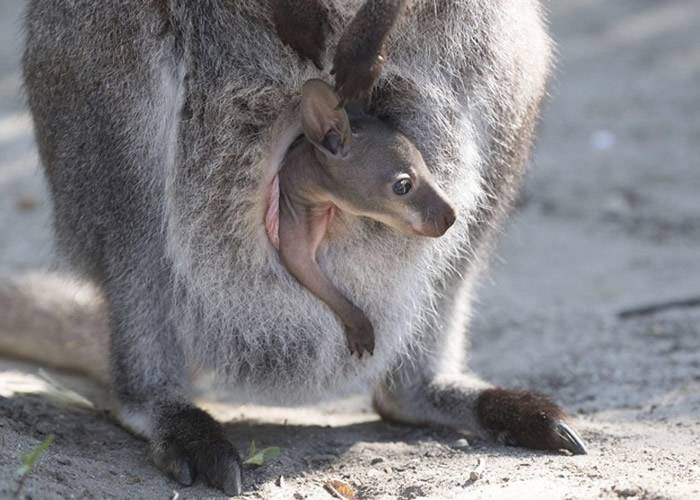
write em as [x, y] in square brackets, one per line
[608, 224]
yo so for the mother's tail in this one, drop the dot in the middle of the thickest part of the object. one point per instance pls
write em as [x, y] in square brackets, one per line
[52, 320]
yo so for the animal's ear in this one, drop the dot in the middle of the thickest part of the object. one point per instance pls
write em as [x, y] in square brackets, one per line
[324, 120]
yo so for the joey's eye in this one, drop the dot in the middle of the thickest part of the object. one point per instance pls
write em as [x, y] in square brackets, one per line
[402, 186]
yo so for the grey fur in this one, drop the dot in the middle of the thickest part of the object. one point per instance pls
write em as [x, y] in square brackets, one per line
[160, 128]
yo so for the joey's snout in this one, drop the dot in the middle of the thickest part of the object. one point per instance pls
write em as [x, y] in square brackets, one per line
[437, 215]
[437, 225]
[448, 218]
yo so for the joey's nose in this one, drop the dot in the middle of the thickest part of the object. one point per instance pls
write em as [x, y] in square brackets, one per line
[449, 219]
[445, 221]
[437, 225]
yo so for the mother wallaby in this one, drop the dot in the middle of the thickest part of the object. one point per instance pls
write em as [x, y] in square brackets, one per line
[160, 125]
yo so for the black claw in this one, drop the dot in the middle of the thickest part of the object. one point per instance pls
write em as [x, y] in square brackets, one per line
[173, 460]
[232, 484]
[220, 464]
[571, 440]
[527, 419]
[186, 473]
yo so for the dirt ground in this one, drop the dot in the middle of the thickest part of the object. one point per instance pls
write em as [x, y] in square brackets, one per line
[609, 222]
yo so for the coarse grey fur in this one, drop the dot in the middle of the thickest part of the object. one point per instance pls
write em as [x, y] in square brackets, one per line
[160, 128]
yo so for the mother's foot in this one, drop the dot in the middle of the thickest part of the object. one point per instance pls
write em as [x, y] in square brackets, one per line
[521, 418]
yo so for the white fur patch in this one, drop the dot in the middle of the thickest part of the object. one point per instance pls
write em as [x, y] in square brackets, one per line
[136, 420]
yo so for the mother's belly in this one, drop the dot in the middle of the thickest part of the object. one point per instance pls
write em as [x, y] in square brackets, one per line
[301, 353]
[277, 340]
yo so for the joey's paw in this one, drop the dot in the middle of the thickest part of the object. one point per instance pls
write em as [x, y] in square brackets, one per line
[521, 418]
[356, 71]
[303, 26]
[191, 443]
[361, 339]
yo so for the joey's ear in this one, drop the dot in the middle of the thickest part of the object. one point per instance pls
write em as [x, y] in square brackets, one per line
[324, 120]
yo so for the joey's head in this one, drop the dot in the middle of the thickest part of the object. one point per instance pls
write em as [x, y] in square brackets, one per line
[372, 170]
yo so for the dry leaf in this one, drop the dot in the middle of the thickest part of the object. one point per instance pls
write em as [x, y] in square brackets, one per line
[341, 490]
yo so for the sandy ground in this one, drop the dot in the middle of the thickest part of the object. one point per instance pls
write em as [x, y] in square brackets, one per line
[610, 221]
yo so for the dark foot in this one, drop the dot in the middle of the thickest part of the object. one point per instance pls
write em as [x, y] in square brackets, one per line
[303, 25]
[359, 57]
[191, 442]
[521, 418]
[360, 339]
[355, 73]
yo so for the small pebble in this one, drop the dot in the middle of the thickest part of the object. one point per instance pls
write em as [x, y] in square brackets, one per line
[377, 460]
[627, 493]
[280, 481]
[460, 444]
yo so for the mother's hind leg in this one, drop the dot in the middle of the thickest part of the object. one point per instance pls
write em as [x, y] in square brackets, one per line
[437, 389]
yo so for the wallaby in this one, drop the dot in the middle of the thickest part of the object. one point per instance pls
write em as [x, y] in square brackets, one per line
[161, 124]
[368, 170]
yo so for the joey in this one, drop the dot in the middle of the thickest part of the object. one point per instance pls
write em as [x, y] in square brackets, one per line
[367, 169]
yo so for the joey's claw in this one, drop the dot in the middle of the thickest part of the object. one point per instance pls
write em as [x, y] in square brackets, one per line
[369, 348]
[570, 440]
[360, 338]
[360, 350]
[356, 349]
